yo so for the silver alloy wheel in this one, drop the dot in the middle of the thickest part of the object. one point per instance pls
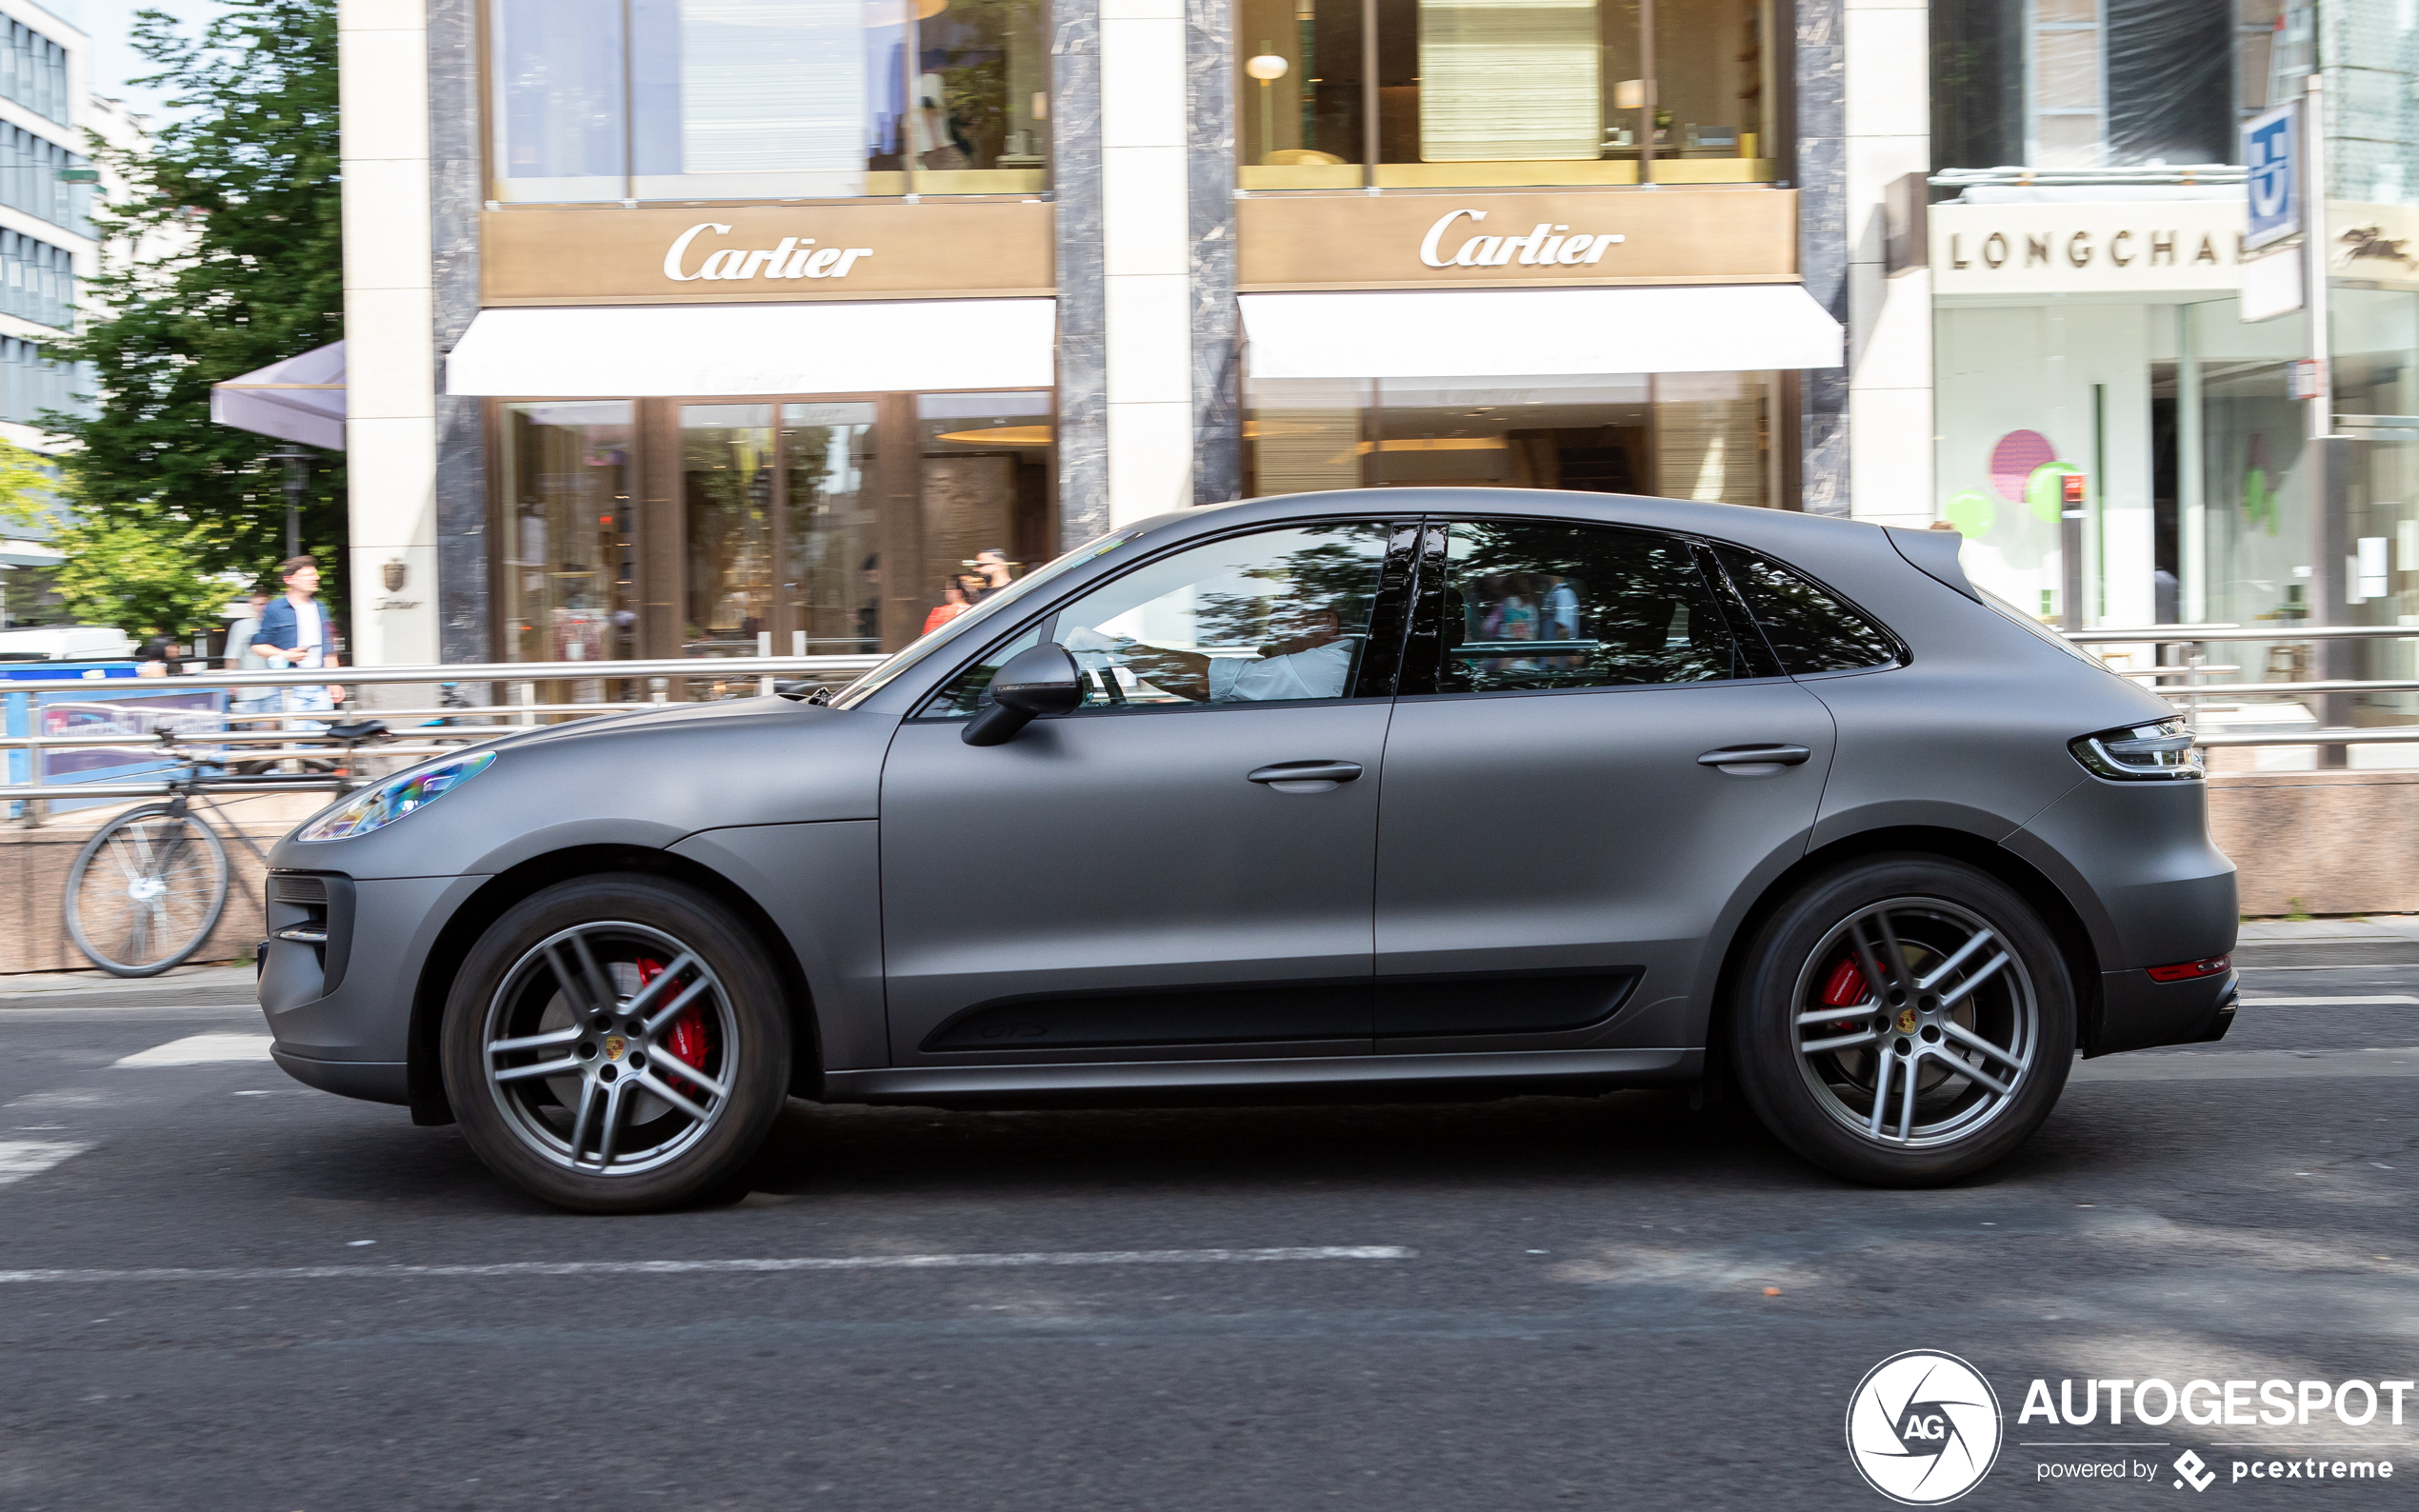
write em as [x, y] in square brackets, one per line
[586, 1047]
[1942, 1035]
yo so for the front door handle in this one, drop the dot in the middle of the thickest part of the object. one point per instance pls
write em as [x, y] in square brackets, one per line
[1754, 760]
[1304, 777]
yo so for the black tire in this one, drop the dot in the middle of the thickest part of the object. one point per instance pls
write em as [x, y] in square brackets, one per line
[146, 890]
[1811, 1026]
[691, 1111]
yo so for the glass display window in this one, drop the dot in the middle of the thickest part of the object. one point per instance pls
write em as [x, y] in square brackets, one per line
[1681, 435]
[1504, 92]
[767, 99]
[567, 566]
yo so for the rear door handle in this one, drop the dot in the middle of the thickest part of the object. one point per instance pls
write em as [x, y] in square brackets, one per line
[1304, 777]
[1754, 760]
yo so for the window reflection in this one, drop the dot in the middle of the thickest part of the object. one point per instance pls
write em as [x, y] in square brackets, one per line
[774, 99]
[985, 461]
[727, 484]
[1534, 605]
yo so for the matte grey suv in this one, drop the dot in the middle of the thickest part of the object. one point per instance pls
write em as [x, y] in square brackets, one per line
[1470, 790]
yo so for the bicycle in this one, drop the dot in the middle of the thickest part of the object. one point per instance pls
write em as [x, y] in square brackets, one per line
[169, 885]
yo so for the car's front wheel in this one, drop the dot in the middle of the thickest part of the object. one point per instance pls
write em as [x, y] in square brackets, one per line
[1903, 1021]
[616, 1044]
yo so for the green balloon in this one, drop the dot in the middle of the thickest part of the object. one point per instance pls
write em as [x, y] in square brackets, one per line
[2045, 492]
[1971, 512]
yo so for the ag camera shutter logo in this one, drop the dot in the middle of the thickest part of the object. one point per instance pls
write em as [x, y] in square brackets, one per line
[1923, 1427]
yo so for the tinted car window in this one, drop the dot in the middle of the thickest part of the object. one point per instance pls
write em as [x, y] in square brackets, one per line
[1810, 631]
[1536, 605]
[1276, 616]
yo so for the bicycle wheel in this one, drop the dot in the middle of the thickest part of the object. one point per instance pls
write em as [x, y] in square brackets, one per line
[146, 890]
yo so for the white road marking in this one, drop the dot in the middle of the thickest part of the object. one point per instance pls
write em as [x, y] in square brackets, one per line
[198, 1049]
[20, 1159]
[2386, 998]
[683, 1268]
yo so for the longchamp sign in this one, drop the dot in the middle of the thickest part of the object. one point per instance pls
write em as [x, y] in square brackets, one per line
[742, 253]
[2097, 246]
[1456, 240]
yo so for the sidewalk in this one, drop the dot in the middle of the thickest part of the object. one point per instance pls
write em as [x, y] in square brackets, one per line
[186, 986]
[2314, 931]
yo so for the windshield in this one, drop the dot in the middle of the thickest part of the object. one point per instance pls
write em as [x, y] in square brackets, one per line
[981, 614]
[2038, 628]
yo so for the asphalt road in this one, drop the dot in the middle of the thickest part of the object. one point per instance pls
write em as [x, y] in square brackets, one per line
[1531, 1304]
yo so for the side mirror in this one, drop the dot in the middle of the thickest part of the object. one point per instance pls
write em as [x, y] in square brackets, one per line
[1042, 681]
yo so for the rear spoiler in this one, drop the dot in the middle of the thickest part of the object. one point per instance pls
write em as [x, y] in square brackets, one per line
[1934, 555]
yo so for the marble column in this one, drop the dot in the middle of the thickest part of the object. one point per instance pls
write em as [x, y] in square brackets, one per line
[1209, 147]
[454, 190]
[1146, 256]
[1822, 246]
[1083, 347]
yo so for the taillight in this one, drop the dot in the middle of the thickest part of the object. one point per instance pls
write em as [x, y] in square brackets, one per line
[2141, 753]
[2192, 970]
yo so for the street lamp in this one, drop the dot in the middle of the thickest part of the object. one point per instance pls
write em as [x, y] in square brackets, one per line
[297, 463]
[1268, 67]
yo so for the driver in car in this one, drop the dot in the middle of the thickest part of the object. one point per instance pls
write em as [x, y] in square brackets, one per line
[1311, 657]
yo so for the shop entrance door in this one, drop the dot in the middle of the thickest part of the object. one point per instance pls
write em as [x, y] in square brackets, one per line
[781, 520]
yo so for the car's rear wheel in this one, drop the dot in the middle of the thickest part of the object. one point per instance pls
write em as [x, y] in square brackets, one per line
[1903, 1021]
[616, 1044]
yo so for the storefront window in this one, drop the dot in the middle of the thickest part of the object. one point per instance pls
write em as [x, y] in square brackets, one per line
[769, 99]
[1506, 92]
[1680, 435]
[986, 475]
[568, 569]
[781, 529]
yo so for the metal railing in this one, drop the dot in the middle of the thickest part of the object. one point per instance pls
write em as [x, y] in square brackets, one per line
[2190, 696]
[723, 677]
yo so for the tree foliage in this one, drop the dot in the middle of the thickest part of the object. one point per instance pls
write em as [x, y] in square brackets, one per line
[242, 268]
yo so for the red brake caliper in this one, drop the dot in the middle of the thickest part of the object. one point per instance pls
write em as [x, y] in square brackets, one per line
[687, 1041]
[1844, 990]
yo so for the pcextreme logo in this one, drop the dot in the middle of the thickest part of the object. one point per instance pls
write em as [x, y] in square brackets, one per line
[1923, 1427]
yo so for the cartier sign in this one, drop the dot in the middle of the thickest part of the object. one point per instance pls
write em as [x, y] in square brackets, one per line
[1454, 240]
[743, 254]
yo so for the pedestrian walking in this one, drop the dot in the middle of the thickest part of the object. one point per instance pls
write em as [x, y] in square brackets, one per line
[242, 656]
[294, 633]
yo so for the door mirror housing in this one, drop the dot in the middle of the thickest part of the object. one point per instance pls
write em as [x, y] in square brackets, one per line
[1042, 681]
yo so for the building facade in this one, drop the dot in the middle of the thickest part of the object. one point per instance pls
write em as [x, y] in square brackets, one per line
[695, 329]
[47, 191]
[2119, 434]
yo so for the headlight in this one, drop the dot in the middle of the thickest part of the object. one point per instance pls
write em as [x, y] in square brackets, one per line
[376, 807]
[2141, 753]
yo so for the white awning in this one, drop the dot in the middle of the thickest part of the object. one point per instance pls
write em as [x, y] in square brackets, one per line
[1507, 333]
[300, 399]
[650, 350]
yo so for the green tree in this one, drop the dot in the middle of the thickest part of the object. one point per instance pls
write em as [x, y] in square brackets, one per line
[245, 187]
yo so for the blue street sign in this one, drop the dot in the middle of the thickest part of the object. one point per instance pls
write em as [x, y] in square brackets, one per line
[2271, 150]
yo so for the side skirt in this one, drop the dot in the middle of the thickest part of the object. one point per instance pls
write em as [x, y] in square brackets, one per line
[1543, 1071]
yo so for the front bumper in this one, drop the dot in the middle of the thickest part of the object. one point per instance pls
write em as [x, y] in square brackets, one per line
[340, 1013]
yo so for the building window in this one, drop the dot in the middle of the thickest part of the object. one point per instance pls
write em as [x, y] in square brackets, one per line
[29, 180]
[34, 70]
[32, 384]
[1504, 93]
[767, 99]
[569, 569]
[37, 280]
[2090, 84]
[1678, 435]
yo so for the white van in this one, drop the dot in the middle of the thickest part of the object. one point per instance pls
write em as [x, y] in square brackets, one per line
[65, 643]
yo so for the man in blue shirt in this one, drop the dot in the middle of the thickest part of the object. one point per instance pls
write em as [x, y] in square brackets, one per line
[294, 632]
